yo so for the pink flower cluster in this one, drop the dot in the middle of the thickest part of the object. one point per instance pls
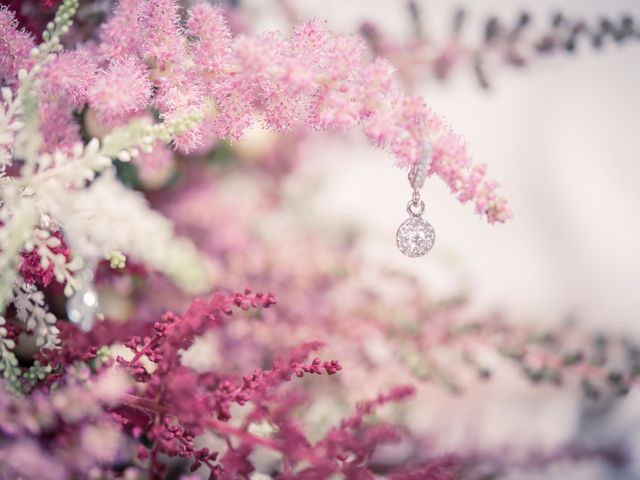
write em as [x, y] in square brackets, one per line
[147, 59]
[15, 46]
[64, 89]
[120, 91]
[452, 162]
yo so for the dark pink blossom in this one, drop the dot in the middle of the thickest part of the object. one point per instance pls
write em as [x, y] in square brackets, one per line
[31, 268]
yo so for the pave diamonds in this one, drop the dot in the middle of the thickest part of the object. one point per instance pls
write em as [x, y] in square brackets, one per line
[415, 237]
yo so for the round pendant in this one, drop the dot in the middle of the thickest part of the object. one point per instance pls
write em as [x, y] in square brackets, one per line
[415, 237]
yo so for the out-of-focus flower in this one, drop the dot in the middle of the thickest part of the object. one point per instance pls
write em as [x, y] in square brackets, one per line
[15, 46]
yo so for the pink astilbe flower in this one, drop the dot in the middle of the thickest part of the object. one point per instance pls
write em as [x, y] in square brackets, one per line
[323, 79]
[162, 39]
[313, 71]
[178, 403]
[179, 93]
[337, 103]
[259, 87]
[154, 162]
[452, 162]
[343, 440]
[182, 397]
[121, 91]
[120, 34]
[399, 128]
[58, 127]
[212, 52]
[68, 78]
[314, 77]
[180, 90]
[64, 84]
[235, 115]
[326, 76]
[15, 46]
[211, 49]
[207, 136]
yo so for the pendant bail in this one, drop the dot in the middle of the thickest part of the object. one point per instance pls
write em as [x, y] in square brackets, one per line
[415, 207]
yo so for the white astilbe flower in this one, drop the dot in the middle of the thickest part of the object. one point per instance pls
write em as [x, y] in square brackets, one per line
[8, 361]
[32, 312]
[107, 217]
[93, 216]
[9, 109]
[18, 218]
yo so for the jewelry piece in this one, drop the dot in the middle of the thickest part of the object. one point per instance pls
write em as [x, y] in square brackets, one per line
[415, 236]
[82, 307]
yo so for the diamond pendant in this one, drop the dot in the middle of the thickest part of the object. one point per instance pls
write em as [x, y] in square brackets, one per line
[415, 237]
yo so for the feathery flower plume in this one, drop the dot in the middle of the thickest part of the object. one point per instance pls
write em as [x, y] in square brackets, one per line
[121, 91]
[15, 46]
